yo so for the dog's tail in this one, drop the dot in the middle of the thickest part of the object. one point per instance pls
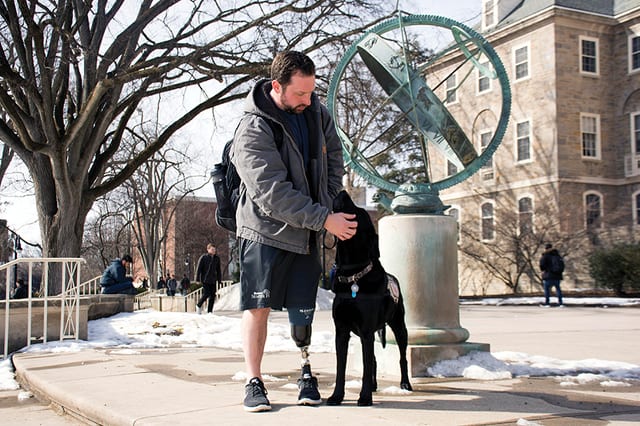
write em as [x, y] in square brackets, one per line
[382, 335]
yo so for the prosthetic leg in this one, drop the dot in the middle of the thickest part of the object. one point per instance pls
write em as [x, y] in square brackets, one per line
[307, 384]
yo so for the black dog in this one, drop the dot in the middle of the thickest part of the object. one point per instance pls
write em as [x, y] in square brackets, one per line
[366, 298]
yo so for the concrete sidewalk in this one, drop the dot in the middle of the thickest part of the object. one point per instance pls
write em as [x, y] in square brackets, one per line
[197, 386]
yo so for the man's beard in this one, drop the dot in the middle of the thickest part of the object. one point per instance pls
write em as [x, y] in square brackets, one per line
[295, 110]
[299, 109]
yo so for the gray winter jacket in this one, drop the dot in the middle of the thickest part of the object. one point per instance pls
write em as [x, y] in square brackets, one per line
[280, 204]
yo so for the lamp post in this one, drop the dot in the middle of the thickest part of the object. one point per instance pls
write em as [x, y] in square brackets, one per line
[17, 247]
[187, 263]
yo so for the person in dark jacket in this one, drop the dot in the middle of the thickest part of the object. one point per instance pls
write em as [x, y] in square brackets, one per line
[551, 265]
[172, 285]
[285, 203]
[161, 283]
[115, 280]
[208, 273]
[21, 291]
[184, 285]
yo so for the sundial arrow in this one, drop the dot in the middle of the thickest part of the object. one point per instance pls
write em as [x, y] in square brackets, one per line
[409, 91]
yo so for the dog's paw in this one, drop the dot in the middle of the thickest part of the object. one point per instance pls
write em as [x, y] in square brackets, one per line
[364, 401]
[335, 399]
[406, 386]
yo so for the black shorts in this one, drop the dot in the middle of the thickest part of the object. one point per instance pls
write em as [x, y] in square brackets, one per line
[275, 278]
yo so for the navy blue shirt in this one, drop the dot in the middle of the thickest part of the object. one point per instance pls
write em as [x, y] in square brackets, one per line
[300, 132]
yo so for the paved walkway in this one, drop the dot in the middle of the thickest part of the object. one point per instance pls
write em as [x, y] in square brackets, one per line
[197, 387]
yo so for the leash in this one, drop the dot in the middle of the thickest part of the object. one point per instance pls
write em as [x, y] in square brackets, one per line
[324, 256]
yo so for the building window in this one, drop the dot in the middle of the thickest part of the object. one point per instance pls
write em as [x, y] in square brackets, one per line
[487, 221]
[489, 13]
[523, 141]
[484, 82]
[589, 55]
[635, 133]
[636, 208]
[525, 215]
[593, 210]
[454, 212]
[451, 88]
[521, 62]
[590, 135]
[634, 53]
[486, 172]
[452, 169]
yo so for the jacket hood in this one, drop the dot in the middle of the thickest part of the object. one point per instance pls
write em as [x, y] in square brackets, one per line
[260, 103]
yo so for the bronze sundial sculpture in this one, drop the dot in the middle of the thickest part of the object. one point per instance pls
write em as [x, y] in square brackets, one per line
[429, 116]
[407, 119]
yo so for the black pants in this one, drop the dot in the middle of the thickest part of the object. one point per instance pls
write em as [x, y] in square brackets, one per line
[208, 292]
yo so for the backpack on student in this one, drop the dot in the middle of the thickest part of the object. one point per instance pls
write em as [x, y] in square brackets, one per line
[227, 182]
[557, 264]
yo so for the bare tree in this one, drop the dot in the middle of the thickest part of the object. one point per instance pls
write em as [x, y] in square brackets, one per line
[155, 191]
[511, 250]
[107, 232]
[84, 70]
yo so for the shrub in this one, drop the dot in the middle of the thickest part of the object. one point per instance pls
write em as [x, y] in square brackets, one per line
[617, 268]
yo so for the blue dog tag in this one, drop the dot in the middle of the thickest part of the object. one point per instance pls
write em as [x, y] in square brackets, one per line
[354, 289]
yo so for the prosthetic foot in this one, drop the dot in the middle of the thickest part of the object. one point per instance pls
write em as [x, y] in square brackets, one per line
[307, 384]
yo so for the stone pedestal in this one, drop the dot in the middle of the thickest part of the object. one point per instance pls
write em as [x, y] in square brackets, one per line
[421, 251]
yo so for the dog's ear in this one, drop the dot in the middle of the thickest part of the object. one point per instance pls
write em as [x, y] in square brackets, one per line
[338, 201]
[343, 203]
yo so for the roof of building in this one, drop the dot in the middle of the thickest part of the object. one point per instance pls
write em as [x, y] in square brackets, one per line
[528, 8]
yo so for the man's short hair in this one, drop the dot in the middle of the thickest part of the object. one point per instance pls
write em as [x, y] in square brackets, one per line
[127, 258]
[548, 246]
[287, 63]
[210, 245]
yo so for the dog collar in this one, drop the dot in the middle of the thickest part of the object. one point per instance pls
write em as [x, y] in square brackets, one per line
[355, 277]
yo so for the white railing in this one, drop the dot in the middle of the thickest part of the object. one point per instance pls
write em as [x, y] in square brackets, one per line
[143, 300]
[68, 298]
[90, 287]
[221, 285]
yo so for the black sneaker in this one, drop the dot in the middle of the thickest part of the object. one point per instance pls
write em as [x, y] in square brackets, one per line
[256, 396]
[308, 386]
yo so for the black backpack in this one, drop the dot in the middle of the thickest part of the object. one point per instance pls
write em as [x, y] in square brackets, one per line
[557, 265]
[227, 182]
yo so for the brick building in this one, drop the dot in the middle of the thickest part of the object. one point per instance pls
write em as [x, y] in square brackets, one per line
[190, 229]
[568, 168]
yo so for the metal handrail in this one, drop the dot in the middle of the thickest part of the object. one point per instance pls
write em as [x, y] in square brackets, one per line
[69, 297]
[90, 287]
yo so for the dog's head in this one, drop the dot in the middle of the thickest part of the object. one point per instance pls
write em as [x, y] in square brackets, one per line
[363, 246]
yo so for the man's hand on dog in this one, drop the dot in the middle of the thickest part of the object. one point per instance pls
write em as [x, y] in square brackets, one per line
[341, 225]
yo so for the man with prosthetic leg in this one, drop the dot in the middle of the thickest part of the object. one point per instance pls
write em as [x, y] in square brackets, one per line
[289, 158]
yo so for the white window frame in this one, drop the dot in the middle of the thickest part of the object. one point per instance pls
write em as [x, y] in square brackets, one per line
[522, 197]
[493, 13]
[487, 171]
[493, 221]
[635, 207]
[480, 76]
[630, 48]
[586, 210]
[518, 137]
[526, 62]
[598, 141]
[452, 79]
[595, 73]
[635, 133]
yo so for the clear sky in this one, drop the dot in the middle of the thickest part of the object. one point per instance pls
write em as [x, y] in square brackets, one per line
[18, 208]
